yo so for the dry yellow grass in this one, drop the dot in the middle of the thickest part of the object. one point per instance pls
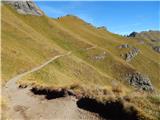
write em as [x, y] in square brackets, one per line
[91, 69]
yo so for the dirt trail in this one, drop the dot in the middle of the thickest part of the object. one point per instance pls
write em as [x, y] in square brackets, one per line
[24, 105]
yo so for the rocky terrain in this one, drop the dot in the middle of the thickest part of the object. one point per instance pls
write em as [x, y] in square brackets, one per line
[151, 37]
[140, 81]
[25, 7]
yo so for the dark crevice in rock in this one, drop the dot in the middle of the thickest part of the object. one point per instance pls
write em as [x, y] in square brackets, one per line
[113, 110]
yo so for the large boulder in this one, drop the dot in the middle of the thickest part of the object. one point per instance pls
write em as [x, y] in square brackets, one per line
[25, 7]
[140, 81]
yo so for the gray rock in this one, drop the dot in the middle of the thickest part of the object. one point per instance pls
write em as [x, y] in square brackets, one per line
[124, 46]
[140, 81]
[131, 54]
[25, 7]
[100, 56]
[156, 48]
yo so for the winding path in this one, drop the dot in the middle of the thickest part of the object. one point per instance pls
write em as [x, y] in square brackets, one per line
[24, 105]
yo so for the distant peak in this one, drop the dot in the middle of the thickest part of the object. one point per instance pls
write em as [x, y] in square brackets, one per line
[133, 34]
[26, 7]
[68, 16]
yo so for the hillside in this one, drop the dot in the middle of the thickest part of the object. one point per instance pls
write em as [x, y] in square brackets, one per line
[150, 37]
[92, 60]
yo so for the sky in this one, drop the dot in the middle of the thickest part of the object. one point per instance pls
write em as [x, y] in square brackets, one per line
[118, 17]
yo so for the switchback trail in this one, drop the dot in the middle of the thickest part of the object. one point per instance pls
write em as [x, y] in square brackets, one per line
[24, 105]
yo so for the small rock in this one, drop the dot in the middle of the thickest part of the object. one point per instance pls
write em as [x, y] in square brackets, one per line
[100, 56]
[124, 46]
[156, 48]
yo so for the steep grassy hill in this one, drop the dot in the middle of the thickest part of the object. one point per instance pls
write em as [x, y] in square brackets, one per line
[98, 59]
[44, 37]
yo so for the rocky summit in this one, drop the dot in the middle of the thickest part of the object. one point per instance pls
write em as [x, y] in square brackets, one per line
[25, 7]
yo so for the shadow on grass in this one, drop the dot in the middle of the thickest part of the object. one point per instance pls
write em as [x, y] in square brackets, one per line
[113, 110]
[52, 94]
[49, 94]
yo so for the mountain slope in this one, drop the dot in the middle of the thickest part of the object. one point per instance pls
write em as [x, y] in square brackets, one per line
[98, 61]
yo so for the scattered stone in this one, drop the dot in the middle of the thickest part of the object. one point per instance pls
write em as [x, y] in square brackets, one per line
[140, 81]
[131, 54]
[100, 57]
[25, 7]
[156, 48]
[22, 86]
[124, 46]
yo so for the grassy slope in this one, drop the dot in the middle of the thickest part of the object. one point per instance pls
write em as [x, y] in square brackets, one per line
[51, 37]
[110, 42]
[28, 41]
[22, 46]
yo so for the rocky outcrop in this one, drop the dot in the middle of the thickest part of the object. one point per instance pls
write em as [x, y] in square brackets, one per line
[140, 81]
[131, 54]
[25, 7]
[156, 48]
[152, 35]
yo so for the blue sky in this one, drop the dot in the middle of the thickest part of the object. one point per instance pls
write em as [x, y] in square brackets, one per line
[118, 17]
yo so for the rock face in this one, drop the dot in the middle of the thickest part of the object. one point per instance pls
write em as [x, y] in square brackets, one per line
[131, 54]
[140, 81]
[25, 7]
[156, 48]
